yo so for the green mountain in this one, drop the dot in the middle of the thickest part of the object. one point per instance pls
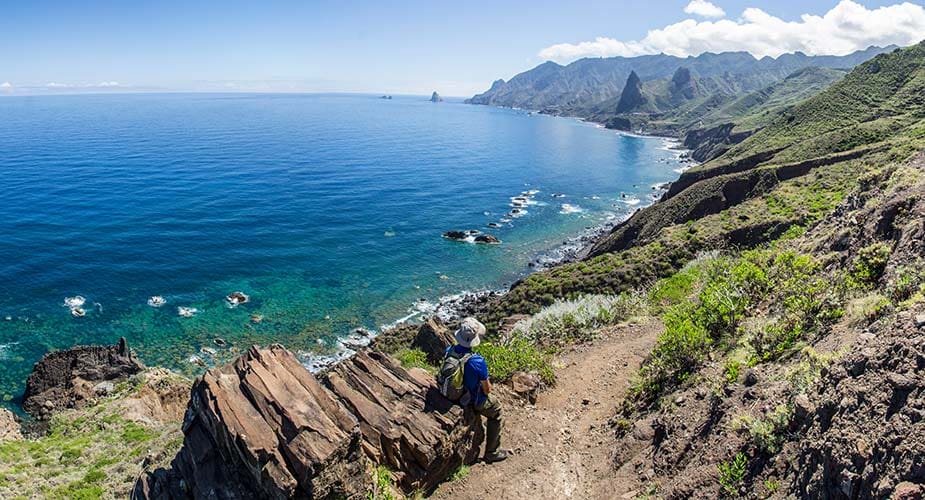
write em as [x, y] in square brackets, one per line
[576, 89]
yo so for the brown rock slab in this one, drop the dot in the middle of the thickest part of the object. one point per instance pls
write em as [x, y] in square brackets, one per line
[264, 427]
[526, 385]
[406, 424]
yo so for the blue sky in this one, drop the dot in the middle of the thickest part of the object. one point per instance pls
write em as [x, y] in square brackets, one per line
[457, 48]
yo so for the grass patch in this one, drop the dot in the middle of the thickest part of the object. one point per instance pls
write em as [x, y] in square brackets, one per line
[414, 358]
[517, 355]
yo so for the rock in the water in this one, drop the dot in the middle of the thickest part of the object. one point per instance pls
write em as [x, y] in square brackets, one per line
[433, 338]
[455, 235]
[262, 427]
[487, 238]
[9, 426]
[67, 379]
[435, 97]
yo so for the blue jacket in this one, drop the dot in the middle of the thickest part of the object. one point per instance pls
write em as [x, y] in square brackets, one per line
[475, 371]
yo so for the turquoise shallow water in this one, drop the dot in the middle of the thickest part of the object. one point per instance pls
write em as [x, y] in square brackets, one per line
[326, 209]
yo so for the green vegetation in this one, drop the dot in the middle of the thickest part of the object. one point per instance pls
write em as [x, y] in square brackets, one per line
[460, 473]
[719, 312]
[569, 321]
[768, 433]
[869, 265]
[90, 453]
[732, 473]
[383, 487]
[414, 358]
[518, 354]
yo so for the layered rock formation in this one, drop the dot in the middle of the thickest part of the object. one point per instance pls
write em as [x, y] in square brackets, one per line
[264, 427]
[72, 378]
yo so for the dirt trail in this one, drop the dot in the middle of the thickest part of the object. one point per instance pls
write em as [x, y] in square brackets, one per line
[562, 446]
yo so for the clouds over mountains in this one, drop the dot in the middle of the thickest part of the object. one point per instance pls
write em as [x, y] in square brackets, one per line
[847, 27]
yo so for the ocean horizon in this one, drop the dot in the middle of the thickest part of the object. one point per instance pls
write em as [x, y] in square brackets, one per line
[326, 210]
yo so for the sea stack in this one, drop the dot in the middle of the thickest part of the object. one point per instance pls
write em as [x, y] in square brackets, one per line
[435, 97]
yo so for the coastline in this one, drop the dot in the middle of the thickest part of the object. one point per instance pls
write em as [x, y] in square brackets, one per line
[451, 308]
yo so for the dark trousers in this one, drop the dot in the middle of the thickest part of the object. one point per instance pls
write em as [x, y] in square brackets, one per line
[491, 410]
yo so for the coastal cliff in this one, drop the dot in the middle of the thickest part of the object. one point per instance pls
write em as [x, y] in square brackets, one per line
[759, 332]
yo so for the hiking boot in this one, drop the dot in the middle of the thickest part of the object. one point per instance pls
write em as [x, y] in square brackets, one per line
[497, 456]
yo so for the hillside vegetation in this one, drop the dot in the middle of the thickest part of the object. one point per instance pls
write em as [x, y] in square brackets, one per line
[788, 274]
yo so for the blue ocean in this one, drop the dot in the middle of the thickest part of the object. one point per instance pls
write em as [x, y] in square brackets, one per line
[325, 210]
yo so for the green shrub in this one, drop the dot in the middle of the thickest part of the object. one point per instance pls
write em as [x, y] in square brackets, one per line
[676, 288]
[732, 473]
[413, 358]
[731, 371]
[382, 484]
[869, 264]
[578, 320]
[768, 433]
[678, 351]
[517, 355]
[867, 309]
[908, 282]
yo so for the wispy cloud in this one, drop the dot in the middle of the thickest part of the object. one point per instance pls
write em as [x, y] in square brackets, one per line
[107, 84]
[6, 85]
[703, 8]
[56, 85]
[847, 27]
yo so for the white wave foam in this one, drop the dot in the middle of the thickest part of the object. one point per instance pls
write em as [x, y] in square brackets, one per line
[156, 301]
[631, 201]
[570, 209]
[187, 312]
[74, 302]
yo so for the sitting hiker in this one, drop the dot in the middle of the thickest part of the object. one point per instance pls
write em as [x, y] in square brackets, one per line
[464, 378]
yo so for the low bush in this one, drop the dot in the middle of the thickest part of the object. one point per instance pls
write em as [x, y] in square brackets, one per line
[867, 309]
[568, 321]
[517, 355]
[732, 473]
[678, 351]
[414, 358]
[869, 264]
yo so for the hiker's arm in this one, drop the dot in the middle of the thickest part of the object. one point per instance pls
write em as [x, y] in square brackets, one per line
[486, 386]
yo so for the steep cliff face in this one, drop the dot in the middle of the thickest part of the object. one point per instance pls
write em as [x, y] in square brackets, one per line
[632, 98]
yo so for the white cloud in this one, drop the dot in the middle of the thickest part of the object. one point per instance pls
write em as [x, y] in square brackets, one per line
[703, 8]
[6, 85]
[845, 28]
[107, 84]
[54, 85]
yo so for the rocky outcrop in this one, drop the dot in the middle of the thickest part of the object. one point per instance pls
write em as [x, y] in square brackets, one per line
[405, 423]
[435, 97]
[9, 426]
[74, 377]
[632, 97]
[433, 338]
[264, 427]
[488, 239]
[864, 430]
[708, 143]
[683, 85]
